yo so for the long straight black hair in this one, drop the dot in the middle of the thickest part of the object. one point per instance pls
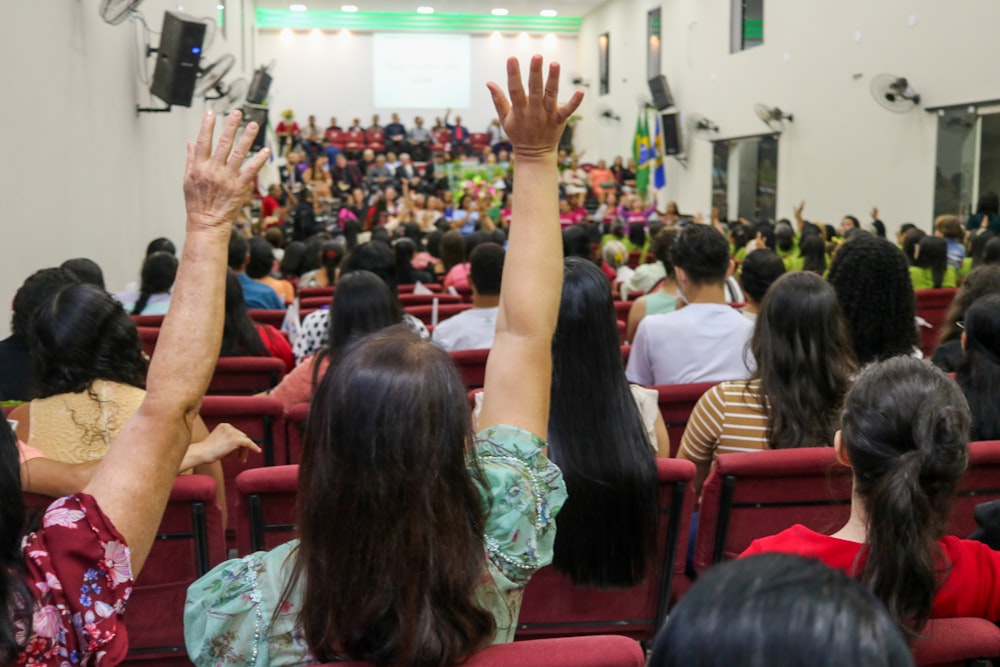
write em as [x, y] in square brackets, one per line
[933, 254]
[978, 372]
[158, 273]
[16, 599]
[239, 335]
[607, 528]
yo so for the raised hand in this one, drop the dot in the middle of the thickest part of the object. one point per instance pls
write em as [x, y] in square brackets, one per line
[216, 183]
[874, 212]
[533, 121]
[798, 209]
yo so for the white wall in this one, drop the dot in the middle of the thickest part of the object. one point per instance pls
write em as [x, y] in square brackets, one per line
[323, 74]
[83, 175]
[843, 153]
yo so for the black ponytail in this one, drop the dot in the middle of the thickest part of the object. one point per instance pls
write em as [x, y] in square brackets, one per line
[16, 600]
[158, 273]
[905, 429]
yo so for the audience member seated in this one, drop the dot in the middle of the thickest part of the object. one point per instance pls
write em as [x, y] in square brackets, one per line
[812, 249]
[379, 176]
[405, 250]
[931, 269]
[257, 295]
[346, 177]
[303, 217]
[706, 340]
[153, 298]
[461, 140]
[602, 181]
[662, 297]
[260, 266]
[804, 366]
[904, 432]
[161, 244]
[453, 254]
[438, 554]
[949, 227]
[981, 282]
[776, 609]
[85, 270]
[17, 378]
[290, 267]
[474, 329]
[332, 127]
[909, 244]
[242, 337]
[614, 264]
[465, 218]
[758, 271]
[987, 215]
[978, 372]
[872, 281]
[331, 254]
[317, 177]
[407, 174]
[395, 135]
[363, 305]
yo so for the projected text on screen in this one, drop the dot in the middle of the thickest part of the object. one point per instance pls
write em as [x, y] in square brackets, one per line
[421, 71]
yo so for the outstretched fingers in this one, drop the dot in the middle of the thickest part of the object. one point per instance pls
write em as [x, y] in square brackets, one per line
[250, 170]
[500, 101]
[535, 83]
[242, 148]
[515, 87]
[203, 144]
[568, 109]
[551, 97]
[226, 139]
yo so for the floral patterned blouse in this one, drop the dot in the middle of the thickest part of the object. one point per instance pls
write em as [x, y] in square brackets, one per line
[79, 568]
[229, 611]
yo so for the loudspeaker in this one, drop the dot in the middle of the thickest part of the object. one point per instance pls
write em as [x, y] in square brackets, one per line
[177, 58]
[661, 92]
[259, 87]
[671, 124]
[257, 114]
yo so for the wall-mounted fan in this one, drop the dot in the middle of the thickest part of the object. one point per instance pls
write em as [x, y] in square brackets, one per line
[233, 97]
[116, 11]
[210, 76]
[579, 81]
[211, 30]
[894, 93]
[608, 115]
[773, 117]
[702, 127]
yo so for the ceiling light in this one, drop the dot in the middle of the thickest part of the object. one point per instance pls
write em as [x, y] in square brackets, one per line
[499, 11]
[425, 10]
[349, 8]
[220, 7]
[548, 13]
[297, 8]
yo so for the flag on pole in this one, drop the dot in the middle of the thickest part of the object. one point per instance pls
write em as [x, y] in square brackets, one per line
[659, 157]
[641, 154]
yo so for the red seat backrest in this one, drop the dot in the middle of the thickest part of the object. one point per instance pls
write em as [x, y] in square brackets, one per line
[147, 320]
[245, 375]
[980, 484]
[472, 365]
[305, 292]
[479, 138]
[295, 429]
[633, 258]
[957, 641]
[602, 651]
[426, 313]
[356, 137]
[273, 317]
[408, 289]
[932, 306]
[621, 310]
[265, 511]
[148, 337]
[754, 495]
[375, 136]
[442, 136]
[315, 301]
[336, 137]
[554, 607]
[676, 403]
[428, 299]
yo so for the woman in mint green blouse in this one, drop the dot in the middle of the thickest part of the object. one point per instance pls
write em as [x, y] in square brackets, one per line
[416, 537]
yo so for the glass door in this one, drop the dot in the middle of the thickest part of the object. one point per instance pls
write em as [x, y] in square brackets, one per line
[968, 160]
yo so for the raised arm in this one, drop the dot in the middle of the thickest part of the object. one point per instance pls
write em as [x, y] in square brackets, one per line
[519, 370]
[143, 460]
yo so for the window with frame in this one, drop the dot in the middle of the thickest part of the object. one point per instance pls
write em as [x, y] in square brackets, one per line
[747, 24]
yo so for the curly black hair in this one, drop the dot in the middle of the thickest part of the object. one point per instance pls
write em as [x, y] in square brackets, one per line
[36, 290]
[872, 280]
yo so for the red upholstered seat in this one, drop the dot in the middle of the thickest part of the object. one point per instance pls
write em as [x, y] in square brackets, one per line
[633, 258]
[441, 140]
[306, 292]
[295, 428]
[621, 309]
[479, 140]
[932, 306]
[338, 138]
[355, 141]
[472, 365]
[676, 403]
[428, 299]
[375, 139]
[245, 375]
[426, 313]
[265, 510]
[148, 320]
[148, 337]
[554, 607]
[980, 484]
[603, 651]
[315, 301]
[408, 289]
[957, 642]
[465, 293]
[273, 317]
[753, 495]
[626, 351]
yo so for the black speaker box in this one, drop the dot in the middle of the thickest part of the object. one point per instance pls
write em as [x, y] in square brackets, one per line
[660, 91]
[259, 87]
[177, 59]
[671, 124]
[256, 114]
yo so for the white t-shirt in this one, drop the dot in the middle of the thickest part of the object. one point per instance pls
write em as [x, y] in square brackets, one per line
[469, 330]
[702, 342]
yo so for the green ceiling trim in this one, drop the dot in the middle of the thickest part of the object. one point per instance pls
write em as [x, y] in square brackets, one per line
[276, 19]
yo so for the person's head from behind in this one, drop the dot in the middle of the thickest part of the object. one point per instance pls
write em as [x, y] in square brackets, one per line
[979, 371]
[988, 204]
[37, 289]
[763, 234]
[872, 280]
[980, 282]
[291, 263]
[759, 270]
[804, 360]
[576, 242]
[779, 609]
[81, 334]
[388, 440]
[784, 237]
[812, 248]
[362, 305]
[991, 252]
[700, 255]
[376, 257]
[331, 255]
[85, 270]
[660, 247]
[904, 432]
[637, 234]
[275, 237]
[452, 249]
[261, 258]
[949, 227]
[239, 334]
[615, 254]
[239, 251]
[486, 269]
[738, 236]
[932, 254]
[977, 245]
[158, 274]
[910, 240]
[161, 244]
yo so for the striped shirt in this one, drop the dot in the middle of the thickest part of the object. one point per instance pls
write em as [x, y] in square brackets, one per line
[727, 419]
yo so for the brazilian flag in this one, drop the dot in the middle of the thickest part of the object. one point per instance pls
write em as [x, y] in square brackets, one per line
[642, 154]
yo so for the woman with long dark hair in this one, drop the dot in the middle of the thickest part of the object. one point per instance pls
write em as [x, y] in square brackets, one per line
[405, 250]
[804, 365]
[930, 268]
[812, 250]
[987, 215]
[291, 267]
[904, 432]
[362, 305]
[437, 530]
[978, 372]
[242, 337]
[982, 281]
[153, 298]
[331, 254]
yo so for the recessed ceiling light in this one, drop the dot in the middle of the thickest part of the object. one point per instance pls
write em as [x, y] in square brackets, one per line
[425, 10]
[548, 13]
[297, 8]
[499, 11]
[220, 7]
[349, 8]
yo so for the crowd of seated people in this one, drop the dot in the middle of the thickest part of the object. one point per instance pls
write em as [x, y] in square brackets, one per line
[807, 332]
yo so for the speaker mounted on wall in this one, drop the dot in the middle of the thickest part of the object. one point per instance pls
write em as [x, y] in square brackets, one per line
[178, 59]
[658, 88]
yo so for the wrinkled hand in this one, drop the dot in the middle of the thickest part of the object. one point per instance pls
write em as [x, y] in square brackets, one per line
[534, 121]
[215, 185]
[223, 440]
